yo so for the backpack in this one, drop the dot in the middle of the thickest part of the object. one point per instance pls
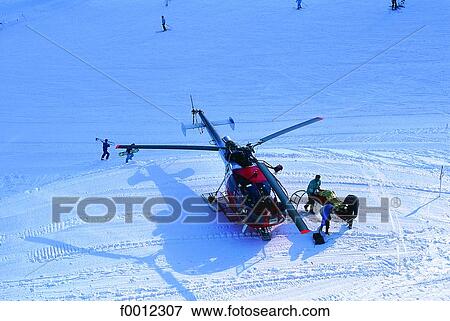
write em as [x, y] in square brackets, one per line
[318, 239]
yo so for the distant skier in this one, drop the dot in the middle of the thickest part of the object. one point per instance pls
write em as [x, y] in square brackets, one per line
[299, 4]
[130, 152]
[326, 212]
[312, 191]
[163, 23]
[105, 146]
[394, 5]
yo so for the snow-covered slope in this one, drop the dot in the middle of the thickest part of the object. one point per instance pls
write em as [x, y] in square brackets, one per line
[76, 70]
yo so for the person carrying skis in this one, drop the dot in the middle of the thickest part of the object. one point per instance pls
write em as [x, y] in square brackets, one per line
[312, 191]
[105, 146]
[325, 212]
[299, 4]
[394, 5]
[130, 152]
[163, 23]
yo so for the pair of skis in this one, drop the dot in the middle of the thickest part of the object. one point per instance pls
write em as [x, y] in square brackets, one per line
[101, 140]
[124, 153]
[167, 29]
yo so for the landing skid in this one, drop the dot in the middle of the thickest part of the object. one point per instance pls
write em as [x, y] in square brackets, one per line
[218, 203]
[265, 233]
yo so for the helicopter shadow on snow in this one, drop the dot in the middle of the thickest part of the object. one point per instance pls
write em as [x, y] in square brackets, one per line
[185, 248]
[150, 261]
[197, 248]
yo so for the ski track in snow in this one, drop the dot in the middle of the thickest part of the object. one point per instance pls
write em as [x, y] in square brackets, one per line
[368, 251]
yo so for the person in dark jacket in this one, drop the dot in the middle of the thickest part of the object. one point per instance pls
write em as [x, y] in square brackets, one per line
[130, 152]
[163, 23]
[106, 145]
[394, 5]
[351, 203]
[312, 190]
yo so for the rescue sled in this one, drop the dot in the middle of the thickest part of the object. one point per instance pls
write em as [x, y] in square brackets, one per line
[346, 209]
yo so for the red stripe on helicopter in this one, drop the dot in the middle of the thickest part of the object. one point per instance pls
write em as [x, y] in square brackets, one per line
[251, 173]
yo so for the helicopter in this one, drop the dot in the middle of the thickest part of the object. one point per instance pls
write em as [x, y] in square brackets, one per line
[253, 196]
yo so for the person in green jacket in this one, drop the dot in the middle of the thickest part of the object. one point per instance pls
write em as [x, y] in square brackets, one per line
[312, 191]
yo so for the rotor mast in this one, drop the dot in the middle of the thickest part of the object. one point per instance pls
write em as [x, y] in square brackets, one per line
[211, 130]
[209, 127]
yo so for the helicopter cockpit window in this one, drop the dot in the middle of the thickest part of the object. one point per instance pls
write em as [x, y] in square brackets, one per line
[252, 194]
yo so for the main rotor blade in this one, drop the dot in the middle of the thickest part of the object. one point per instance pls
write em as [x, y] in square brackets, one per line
[287, 130]
[182, 147]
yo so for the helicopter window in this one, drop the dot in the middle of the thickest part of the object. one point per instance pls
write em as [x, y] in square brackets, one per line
[255, 191]
[252, 193]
